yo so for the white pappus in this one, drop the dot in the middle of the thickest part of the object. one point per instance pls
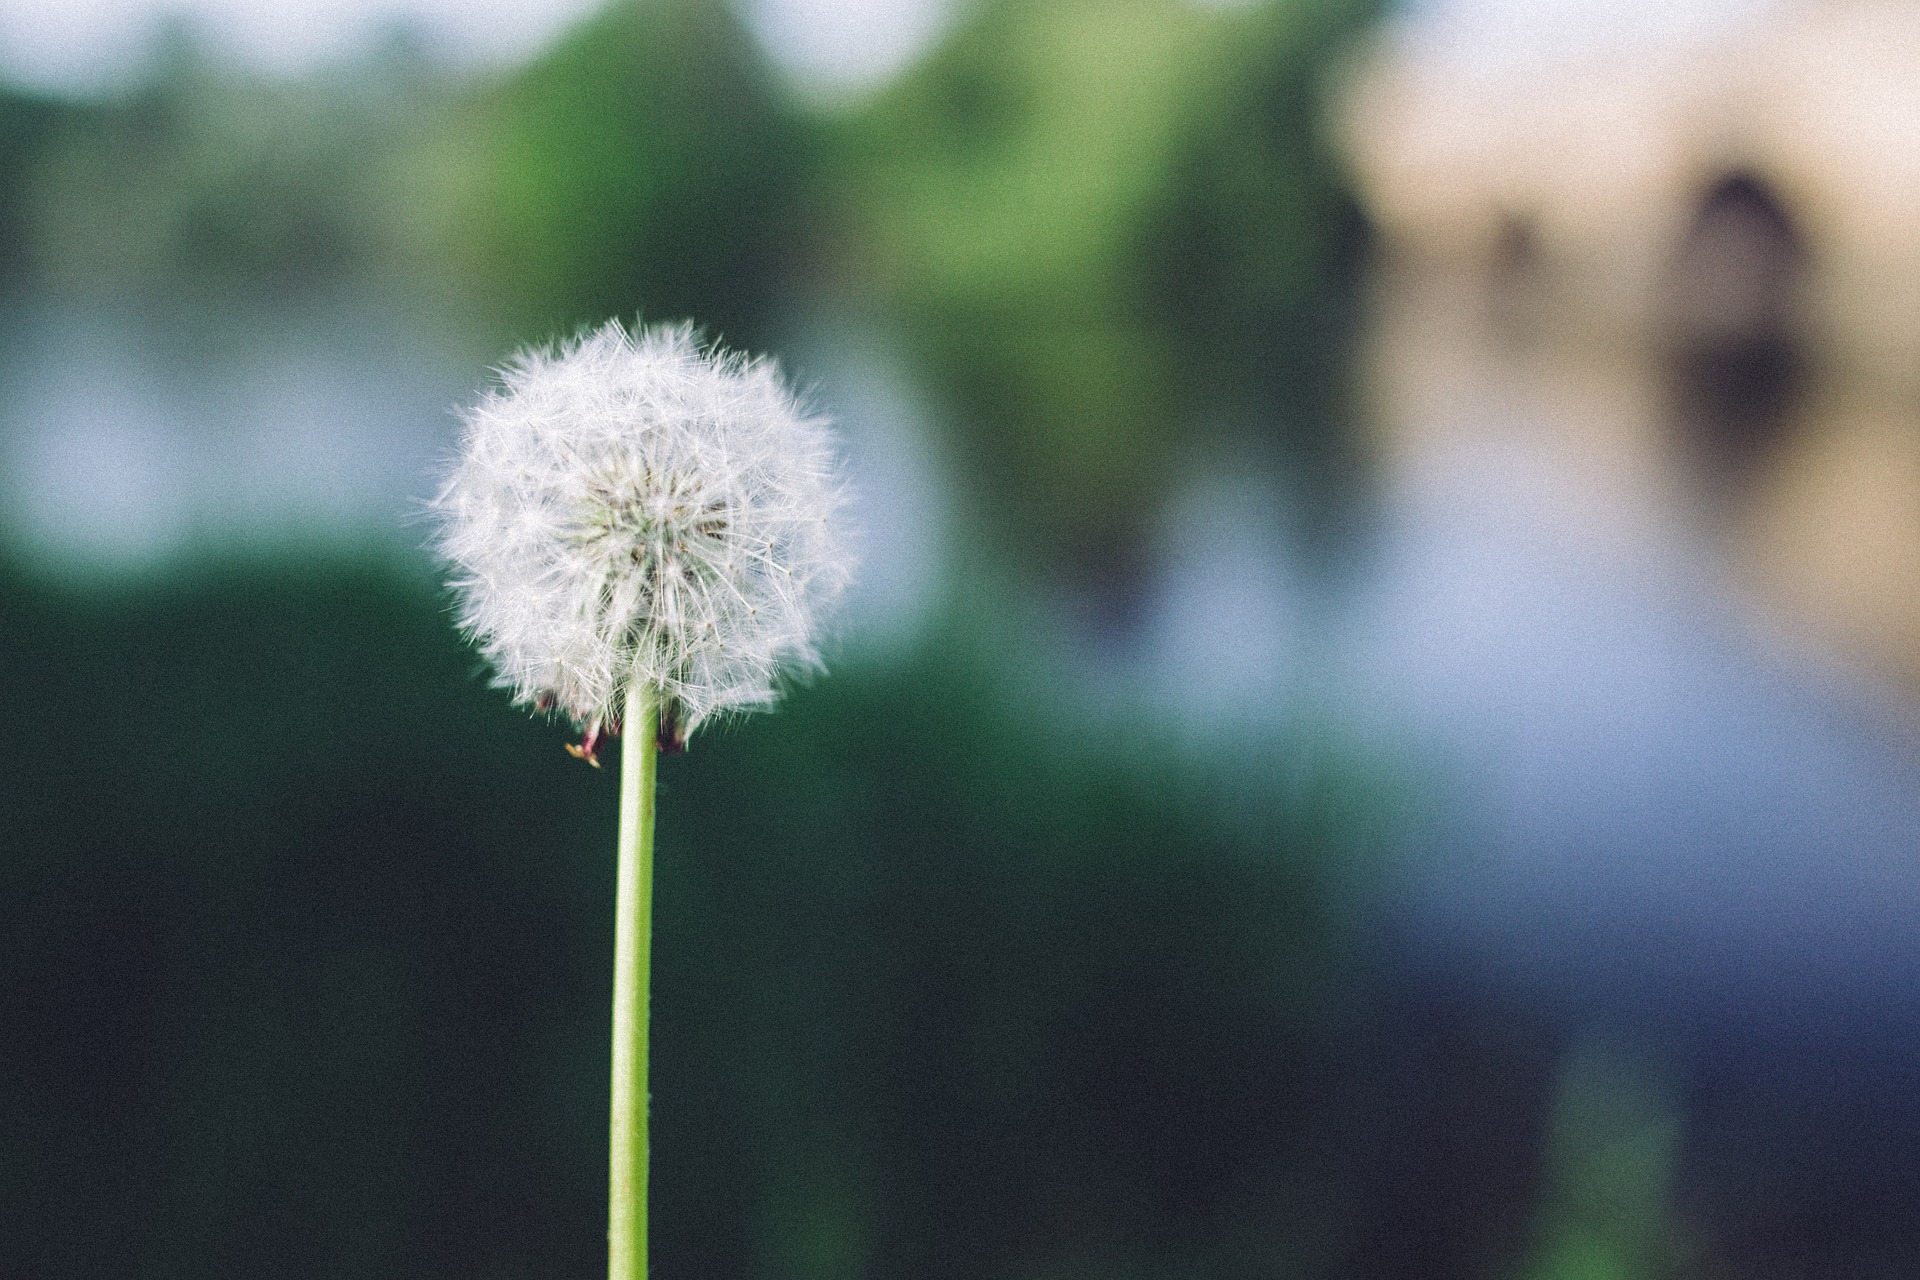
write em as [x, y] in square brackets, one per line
[633, 506]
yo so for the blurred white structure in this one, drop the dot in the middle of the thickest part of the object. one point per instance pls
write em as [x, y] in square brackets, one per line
[1690, 266]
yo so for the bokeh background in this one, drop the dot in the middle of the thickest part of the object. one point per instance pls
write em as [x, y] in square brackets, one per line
[1376, 736]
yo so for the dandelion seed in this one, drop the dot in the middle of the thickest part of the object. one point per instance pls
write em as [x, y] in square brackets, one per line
[633, 508]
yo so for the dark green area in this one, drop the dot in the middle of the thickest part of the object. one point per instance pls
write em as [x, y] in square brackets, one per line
[307, 936]
[26, 124]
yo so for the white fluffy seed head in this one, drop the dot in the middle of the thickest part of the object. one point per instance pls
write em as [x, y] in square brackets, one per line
[633, 507]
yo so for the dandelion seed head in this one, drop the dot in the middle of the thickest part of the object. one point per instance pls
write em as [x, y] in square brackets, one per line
[632, 507]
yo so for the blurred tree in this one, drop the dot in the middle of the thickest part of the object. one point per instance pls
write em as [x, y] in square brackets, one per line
[27, 126]
[1109, 225]
[642, 165]
[1251, 258]
[203, 177]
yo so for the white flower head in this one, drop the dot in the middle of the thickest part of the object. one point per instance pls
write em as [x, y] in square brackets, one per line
[633, 507]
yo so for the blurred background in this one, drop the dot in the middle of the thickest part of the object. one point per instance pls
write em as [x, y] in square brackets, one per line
[1376, 738]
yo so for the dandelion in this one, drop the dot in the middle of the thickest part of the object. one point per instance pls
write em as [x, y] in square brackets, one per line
[632, 510]
[642, 536]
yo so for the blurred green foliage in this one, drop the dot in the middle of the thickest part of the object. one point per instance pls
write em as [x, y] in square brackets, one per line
[643, 166]
[26, 122]
[307, 931]
[201, 180]
[1110, 226]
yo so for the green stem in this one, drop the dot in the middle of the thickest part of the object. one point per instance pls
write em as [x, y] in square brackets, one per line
[632, 979]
